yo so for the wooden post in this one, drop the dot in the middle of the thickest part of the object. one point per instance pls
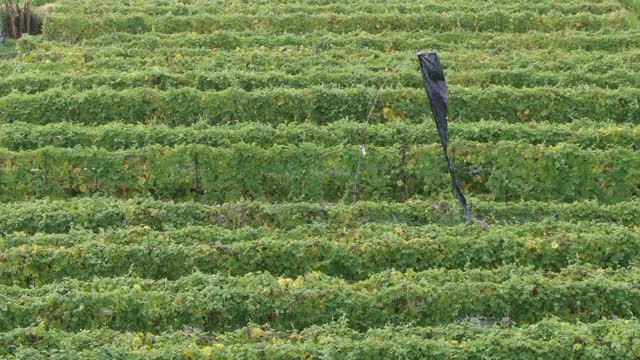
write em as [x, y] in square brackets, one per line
[27, 14]
[11, 10]
[21, 16]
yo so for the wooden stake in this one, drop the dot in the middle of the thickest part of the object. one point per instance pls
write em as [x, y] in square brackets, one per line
[27, 14]
[21, 16]
[11, 10]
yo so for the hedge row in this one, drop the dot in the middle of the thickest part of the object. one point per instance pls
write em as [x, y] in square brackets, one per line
[188, 235]
[302, 60]
[342, 77]
[157, 8]
[94, 214]
[319, 105]
[549, 339]
[220, 303]
[73, 28]
[263, 3]
[117, 136]
[603, 40]
[506, 171]
[350, 257]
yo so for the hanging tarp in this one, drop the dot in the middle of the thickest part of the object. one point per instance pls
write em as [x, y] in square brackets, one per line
[436, 87]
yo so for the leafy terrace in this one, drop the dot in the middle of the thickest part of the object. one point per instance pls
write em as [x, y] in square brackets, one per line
[177, 178]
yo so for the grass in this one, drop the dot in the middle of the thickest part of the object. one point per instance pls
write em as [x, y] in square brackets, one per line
[8, 49]
[634, 7]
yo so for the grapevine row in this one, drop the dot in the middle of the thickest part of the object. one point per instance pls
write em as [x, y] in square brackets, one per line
[117, 136]
[342, 77]
[222, 303]
[159, 8]
[603, 40]
[97, 214]
[319, 105]
[506, 171]
[355, 257]
[550, 339]
[74, 27]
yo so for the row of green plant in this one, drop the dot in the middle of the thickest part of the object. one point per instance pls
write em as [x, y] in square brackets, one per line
[173, 255]
[78, 60]
[98, 213]
[549, 339]
[603, 40]
[118, 136]
[157, 8]
[222, 303]
[340, 77]
[263, 3]
[76, 27]
[546, 228]
[506, 171]
[320, 105]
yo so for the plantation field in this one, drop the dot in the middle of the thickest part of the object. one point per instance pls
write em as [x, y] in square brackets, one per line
[178, 180]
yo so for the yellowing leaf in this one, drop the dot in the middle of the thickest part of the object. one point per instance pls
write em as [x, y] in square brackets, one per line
[137, 342]
[257, 332]
[284, 282]
[388, 114]
[298, 282]
[531, 244]
[207, 351]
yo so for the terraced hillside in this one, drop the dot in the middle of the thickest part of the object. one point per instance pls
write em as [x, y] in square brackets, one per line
[178, 179]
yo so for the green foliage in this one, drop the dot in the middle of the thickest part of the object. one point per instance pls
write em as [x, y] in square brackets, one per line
[8, 49]
[507, 171]
[354, 254]
[174, 173]
[76, 27]
[187, 8]
[118, 136]
[547, 339]
[96, 214]
[609, 40]
[316, 104]
[342, 77]
[303, 63]
[222, 303]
